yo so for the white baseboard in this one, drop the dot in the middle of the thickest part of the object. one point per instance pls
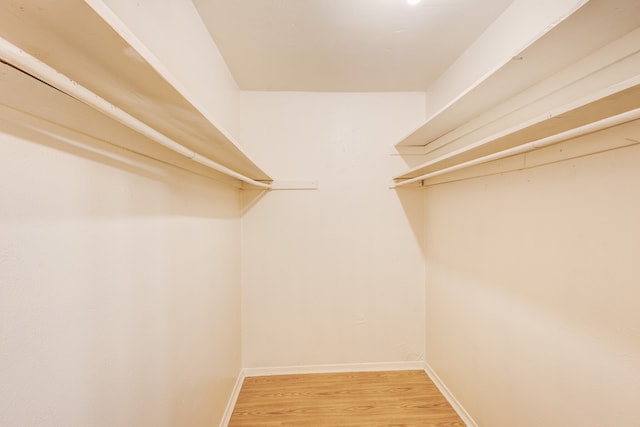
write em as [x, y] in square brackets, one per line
[231, 403]
[470, 422]
[338, 368]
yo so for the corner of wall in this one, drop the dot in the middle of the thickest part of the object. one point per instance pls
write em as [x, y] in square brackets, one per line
[457, 406]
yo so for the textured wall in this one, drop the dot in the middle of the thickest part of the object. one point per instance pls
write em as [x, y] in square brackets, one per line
[119, 282]
[532, 290]
[333, 275]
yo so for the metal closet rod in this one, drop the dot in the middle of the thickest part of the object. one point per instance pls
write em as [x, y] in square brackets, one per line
[24, 61]
[530, 146]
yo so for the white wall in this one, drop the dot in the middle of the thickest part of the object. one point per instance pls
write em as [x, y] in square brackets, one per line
[119, 283]
[532, 290]
[334, 275]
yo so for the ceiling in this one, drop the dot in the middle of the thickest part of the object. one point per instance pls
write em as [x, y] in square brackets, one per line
[343, 45]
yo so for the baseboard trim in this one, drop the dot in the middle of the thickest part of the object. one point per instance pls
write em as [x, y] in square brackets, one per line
[231, 403]
[337, 368]
[466, 418]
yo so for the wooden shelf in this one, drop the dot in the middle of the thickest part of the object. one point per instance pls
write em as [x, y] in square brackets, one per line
[72, 39]
[613, 101]
[583, 71]
[593, 26]
[37, 112]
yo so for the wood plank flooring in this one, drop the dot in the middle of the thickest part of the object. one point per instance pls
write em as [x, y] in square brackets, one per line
[371, 399]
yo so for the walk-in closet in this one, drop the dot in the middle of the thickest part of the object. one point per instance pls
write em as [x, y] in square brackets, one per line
[228, 213]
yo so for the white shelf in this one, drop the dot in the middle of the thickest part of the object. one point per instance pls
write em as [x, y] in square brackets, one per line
[583, 72]
[72, 39]
[594, 25]
[614, 101]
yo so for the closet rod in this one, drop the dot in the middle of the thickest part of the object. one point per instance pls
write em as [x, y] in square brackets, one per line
[543, 142]
[20, 59]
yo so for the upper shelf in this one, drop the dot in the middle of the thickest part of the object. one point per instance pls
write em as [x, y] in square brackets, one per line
[616, 101]
[581, 76]
[71, 38]
[596, 24]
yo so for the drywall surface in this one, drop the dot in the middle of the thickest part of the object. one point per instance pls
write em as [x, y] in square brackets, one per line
[333, 275]
[174, 32]
[119, 286]
[532, 290]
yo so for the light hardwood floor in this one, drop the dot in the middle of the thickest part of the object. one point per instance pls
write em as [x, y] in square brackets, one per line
[371, 399]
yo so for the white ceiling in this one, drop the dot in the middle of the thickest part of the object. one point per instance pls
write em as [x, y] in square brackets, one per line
[343, 45]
